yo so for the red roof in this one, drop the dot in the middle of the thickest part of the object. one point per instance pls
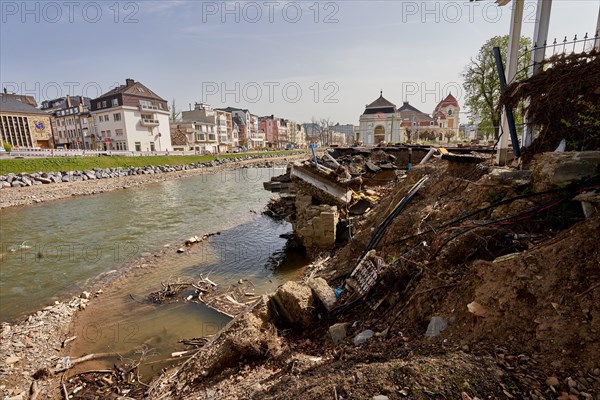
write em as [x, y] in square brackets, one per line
[448, 101]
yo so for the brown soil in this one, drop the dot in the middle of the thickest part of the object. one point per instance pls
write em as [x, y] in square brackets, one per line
[532, 265]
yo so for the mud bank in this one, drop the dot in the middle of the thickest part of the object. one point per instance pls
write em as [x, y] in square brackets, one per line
[21, 196]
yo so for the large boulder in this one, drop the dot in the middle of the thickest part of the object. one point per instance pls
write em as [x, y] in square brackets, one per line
[295, 304]
[323, 291]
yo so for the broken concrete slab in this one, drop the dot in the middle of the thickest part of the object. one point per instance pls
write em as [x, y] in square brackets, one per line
[337, 193]
[296, 304]
[558, 170]
[323, 291]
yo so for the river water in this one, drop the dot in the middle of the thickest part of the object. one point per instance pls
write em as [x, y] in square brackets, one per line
[52, 250]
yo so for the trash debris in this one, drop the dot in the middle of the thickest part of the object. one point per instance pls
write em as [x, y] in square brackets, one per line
[363, 337]
[436, 326]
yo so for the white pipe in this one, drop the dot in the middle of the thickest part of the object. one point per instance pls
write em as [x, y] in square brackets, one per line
[428, 156]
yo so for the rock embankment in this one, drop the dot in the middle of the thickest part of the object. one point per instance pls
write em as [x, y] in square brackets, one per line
[42, 178]
[80, 183]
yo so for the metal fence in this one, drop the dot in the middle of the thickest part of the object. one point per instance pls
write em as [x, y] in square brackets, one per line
[556, 47]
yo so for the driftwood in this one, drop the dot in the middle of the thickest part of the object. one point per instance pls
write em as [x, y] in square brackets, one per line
[231, 301]
[89, 357]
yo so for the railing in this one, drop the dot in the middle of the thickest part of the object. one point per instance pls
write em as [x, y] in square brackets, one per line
[148, 107]
[149, 122]
[556, 47]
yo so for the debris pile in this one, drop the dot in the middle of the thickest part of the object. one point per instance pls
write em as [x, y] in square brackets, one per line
[461, 281]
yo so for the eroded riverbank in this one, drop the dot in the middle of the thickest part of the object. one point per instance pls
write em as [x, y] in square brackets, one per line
[118, 318]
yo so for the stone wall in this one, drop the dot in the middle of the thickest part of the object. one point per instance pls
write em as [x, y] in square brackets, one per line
[315, 225]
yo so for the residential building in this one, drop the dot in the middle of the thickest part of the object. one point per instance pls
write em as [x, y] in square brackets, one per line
[347, 130]
[71, 122]
[131, 117]
[23, 125]
[270, 126]
[297, 135]
[227, 135]
[256, 139]
[200, 135]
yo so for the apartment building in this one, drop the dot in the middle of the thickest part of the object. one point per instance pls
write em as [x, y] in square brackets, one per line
[131, 117]
[71, 122]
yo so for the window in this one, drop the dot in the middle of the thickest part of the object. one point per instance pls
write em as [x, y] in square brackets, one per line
[152, 148]
[117, 117]
[141, 90]
[118, 132]
[212, 137]
[115, 102]
[449, 111]
[107, 133]
[200, 137]
[98, 105]
[138, 146]
[104, 104]
[103, 133]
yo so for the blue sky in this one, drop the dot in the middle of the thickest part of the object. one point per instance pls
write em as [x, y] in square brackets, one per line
[296, 60]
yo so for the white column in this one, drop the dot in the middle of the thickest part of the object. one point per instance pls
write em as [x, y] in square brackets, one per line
[511, 71]
[597, 44]
[540, 36]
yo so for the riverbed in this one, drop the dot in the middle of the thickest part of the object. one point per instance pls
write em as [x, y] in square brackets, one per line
[52, 250]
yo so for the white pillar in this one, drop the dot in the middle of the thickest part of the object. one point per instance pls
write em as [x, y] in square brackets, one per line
[540, 37]
[511, 71]
[597, 44]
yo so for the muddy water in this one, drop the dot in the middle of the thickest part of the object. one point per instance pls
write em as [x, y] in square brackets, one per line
[53, 249]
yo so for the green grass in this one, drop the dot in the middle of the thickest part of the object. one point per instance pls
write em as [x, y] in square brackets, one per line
[56, 164]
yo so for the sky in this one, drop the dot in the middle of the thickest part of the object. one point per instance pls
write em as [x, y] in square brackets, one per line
[295, 59]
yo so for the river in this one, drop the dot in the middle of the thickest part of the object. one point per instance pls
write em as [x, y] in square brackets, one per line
[52, 250]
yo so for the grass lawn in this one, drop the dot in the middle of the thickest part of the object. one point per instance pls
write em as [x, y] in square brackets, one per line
[31, 165]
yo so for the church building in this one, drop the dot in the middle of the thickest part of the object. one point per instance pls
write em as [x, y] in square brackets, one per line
[383, 122]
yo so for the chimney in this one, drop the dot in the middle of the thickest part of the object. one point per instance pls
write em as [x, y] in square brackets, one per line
[5, 91]
[129, 82]
[69, 102]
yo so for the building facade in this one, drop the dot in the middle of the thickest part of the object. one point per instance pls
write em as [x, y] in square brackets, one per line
[131, 117]
[22, 125]
[383, 122]
[200, 135]
[71, 122]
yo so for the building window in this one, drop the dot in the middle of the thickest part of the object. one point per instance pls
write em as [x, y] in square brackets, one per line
[115, 102]
[212, 137]
[117, 117]
[138, 146]
[118, 132]
[200, 137]
[107, 133]
[104, 104]
[141, 90]
[98, 105]
[449, 111]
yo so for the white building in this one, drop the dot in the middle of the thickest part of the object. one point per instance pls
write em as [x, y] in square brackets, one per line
[131, 117]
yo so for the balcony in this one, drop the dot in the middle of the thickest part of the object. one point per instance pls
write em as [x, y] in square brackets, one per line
[147, 107]
[149, 122]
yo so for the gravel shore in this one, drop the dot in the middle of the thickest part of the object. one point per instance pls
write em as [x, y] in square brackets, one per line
[21, 196]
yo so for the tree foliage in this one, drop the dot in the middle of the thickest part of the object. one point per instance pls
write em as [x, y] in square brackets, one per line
[482, 85]
[175, 115]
